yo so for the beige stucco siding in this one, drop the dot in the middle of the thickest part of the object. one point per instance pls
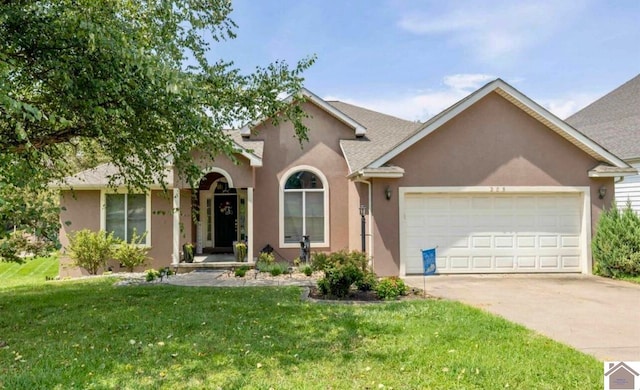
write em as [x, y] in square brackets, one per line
[283, 151]
[82, 208]
[492, 143]
[241, 173]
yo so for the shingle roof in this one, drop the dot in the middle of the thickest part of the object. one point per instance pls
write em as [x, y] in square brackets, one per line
[100, 175]
[255, 147]
[383, 132]
[614, 120]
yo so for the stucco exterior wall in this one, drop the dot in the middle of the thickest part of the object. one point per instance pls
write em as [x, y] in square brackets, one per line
[283, 151]
[492, 143]
[241, 173]
[82, 207]
[82, 210]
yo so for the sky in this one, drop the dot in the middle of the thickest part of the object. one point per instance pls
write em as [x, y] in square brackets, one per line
[414, 58]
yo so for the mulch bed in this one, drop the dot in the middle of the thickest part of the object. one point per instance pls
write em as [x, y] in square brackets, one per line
[367, 296]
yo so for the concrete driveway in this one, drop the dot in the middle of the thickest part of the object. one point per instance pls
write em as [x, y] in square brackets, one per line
[595, 315]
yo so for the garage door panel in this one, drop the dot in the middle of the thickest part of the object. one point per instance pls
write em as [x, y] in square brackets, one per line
[505, 262]
[504, 242]
[482, 262]
[570, 241]
[495, 232]
[527, 262]
[550, 262]
[526, 242]
[549, 241]
[571, 262]
[460, 262]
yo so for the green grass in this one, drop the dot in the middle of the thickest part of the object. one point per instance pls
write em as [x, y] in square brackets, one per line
[90, 334]
[633, 279]
[33, 271]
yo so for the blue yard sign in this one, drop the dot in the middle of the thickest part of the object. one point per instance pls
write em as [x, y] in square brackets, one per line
[429, 261]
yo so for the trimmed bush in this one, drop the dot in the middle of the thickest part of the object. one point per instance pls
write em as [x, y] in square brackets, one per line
[616, 244]
[341, 270]
[132, 254]
[319, 261]
[368, 282]
[391, 288]
[91, 250]
[240, 272]
[307, 270]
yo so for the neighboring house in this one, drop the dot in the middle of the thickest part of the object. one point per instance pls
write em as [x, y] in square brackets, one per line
[614, 122]
[495, 182]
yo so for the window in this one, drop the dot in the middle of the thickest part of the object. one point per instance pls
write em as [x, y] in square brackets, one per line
[304, 208]
[124, 213]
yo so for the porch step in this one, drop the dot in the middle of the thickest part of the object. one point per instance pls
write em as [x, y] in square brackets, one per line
[219, 265]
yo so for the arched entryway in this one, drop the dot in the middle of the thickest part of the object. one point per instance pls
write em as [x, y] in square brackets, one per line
[222, 216]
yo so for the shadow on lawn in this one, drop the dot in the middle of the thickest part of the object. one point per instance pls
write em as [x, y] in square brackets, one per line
[94, 334]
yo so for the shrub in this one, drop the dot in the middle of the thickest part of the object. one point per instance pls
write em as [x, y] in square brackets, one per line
[279, 269]
[307, 270]
[151, 275]
[274, 269]
[323, 286]
[391, 288]
[319, 261]
[616, 244]
[341, 270]
[132, 254]
[241, 271]
[267, 258]
[91, 250]
[368, 282]
[160, 273]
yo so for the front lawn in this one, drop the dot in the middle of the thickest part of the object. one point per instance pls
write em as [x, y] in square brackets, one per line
[90, 334]
[32, 271]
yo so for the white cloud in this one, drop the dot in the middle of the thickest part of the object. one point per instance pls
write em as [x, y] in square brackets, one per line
[568, 105]
[422, 105]
[497, 31]
[467, 81]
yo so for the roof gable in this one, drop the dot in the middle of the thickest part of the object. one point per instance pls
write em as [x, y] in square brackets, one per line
[359, 129]
[519, 100]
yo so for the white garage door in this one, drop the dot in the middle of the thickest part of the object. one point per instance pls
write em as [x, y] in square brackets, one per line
[493, 233]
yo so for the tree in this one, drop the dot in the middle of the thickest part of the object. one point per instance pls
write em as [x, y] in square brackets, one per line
[128, 79]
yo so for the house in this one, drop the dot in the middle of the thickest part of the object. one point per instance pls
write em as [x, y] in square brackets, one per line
[496, 182]
[614, 122]
[620, 376]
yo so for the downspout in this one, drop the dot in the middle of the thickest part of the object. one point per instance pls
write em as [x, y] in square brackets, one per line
[370, 215]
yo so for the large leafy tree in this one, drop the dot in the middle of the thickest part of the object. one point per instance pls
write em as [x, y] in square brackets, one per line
[130, 79]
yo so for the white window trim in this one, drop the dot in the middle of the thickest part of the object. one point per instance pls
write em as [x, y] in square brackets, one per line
[325, 188]
[123, 191]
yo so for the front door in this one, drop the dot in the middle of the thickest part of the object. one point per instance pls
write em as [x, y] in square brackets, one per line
[224, 220]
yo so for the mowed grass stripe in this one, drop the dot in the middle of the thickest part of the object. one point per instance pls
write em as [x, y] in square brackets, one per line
[30, 271]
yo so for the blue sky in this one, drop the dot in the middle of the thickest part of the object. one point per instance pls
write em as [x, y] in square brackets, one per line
[414, 58]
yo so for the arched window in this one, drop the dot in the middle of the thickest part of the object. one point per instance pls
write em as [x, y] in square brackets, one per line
[304, 207]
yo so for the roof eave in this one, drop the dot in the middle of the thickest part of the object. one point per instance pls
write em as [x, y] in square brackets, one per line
[359, 129]
[373, 173]
[620, 173]
[521, 101]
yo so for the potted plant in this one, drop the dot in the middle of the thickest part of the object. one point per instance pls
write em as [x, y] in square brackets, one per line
[241, 251]
[187, 253]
